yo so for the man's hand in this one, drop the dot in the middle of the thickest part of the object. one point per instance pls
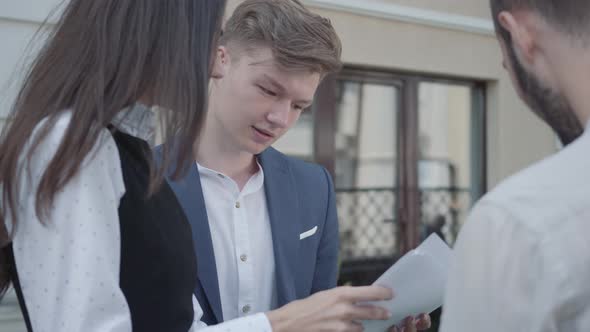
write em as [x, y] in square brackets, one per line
[332, 310]
[412, 324]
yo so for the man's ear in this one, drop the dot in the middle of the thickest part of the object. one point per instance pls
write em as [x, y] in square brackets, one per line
[519, 26]
[221, 63]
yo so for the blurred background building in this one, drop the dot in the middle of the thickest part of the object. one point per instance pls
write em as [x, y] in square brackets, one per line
[419, 124]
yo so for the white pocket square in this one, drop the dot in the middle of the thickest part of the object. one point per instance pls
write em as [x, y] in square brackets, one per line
[308, 233]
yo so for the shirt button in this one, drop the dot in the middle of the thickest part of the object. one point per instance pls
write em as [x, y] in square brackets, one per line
[246, 309]
[243, 258]
[237, 205]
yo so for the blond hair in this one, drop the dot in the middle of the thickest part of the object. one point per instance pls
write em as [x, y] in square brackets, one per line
[298, 38]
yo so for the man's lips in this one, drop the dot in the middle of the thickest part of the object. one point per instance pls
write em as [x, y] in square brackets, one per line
[264, 132]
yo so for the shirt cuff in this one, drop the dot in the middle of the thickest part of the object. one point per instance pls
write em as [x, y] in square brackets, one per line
[254, 323]
[261, 323]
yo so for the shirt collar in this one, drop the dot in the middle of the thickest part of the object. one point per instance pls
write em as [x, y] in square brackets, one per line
[254, 184]
[137, 120]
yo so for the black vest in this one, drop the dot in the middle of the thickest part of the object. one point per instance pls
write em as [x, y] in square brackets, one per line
[158, 264]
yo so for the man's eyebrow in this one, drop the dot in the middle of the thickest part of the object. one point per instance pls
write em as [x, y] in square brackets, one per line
[281, 88]
[274, 82]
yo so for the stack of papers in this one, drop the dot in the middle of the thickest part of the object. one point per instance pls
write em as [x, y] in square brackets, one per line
[418, 280]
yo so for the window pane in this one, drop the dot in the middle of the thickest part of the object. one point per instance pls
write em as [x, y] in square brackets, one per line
[444, 135]
[298, 141]
[365, 166]
[366, 136]
[445, 165]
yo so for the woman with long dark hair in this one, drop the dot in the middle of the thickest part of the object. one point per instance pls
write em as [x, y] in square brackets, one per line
[90, 236]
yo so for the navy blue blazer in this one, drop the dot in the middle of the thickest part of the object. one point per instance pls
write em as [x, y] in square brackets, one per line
[300, 197]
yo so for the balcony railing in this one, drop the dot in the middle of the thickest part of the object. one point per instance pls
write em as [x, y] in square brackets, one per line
[370, 235]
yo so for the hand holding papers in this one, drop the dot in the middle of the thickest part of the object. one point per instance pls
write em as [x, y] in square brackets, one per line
[418, 280]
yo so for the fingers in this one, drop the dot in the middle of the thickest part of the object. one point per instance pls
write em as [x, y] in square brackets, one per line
[356, 327]
[364, 293]
[341, 326]
[420, 323]
[423, 322]
[364, 312]
[409, 325]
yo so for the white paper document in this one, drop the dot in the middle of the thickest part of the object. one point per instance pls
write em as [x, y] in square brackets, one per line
[418, 280]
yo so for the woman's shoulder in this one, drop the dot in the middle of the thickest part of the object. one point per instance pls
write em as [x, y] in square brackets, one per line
[102, 160]
[55, 132]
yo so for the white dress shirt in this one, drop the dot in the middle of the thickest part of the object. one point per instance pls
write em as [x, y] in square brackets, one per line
[522, 259]
[242, 242]
[69, 266]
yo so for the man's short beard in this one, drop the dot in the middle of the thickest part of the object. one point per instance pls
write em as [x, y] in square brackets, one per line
[548, 104]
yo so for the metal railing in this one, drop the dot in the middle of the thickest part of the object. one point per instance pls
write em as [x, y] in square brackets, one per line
[370, 235]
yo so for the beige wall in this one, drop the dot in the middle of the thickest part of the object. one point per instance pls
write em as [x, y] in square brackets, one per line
[515, 137]
[475, 8]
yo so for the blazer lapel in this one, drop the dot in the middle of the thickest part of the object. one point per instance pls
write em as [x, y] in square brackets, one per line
[283, 211]
[190, 195]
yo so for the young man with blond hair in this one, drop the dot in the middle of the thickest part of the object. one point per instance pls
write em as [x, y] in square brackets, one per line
[264, 224]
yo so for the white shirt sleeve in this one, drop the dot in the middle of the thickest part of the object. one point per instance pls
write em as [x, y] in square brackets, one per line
[253, 323]
[69, 266]
[499, 279]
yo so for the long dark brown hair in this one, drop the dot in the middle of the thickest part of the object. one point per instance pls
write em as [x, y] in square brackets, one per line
[101, 57]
